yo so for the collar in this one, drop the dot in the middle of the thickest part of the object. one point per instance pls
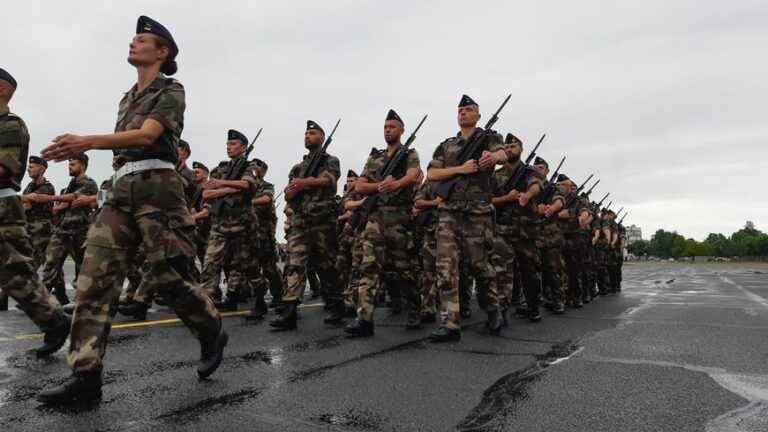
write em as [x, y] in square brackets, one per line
[156, 84]
[477, 130]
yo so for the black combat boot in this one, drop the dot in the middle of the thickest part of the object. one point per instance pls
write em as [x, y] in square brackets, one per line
[54, 338]
[4, 303]
[287, 318]
[494, 322]
[80, 387]
[211, 353]
[414, 320]
[359, 329]
[335, 313]
[136, 309]
[504, 317]
[258, 311]
[534, 315]
[558, 308]
[428, 317]
[229, 304]
[444, 334]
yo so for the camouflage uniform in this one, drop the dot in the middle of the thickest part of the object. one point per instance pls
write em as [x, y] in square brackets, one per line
[69, 236]
[147, 209]
[602, 255]
[40, 219]
[230, 242]
[587, 269]
[387, 240]
[347, 259]
[18, 278]
[613, 258]
[573, 251]
[552, 241]
[427, 223]
[312, 237]
[515, 240]
[265, 251]
[465, 232]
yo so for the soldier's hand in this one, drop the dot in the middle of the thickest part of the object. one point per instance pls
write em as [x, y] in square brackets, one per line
[487, 160]
[212, 184]
[387, 185]
[513, 195]
[65, 147]
[80, 202]
[469, 167]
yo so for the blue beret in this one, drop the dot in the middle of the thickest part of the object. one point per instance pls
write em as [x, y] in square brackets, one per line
[466, 101]
[5, 76]
[392, 115]
[237, 135]
[199, 165]
[562, 178]
[146, 24]
[540, 161]
[313, 125]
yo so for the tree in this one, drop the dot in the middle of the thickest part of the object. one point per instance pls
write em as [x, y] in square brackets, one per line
[639, 248]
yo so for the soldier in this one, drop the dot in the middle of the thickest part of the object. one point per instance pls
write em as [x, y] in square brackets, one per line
[146, 207]
[426, 204]
[265, 246]
[39, 215]
[18, 278]
[387, 241]
[551, 239]
[465, 224]
[69, 235]
[601, 239]
[572, 219]
[621, 243]
[229, 244]
[202, 216]
[312, 235]
[515, 195]
[613, 252]
[347, 262]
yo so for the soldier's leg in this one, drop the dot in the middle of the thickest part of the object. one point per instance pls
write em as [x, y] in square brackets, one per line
[551, 270]
[373, 246]
[479, 246]
[448, 258]
[40, 240]
[351, 293]
[214, 260]
[323, 252]
[400, 269]
[430, 294]
[295, 272]
[53, 270]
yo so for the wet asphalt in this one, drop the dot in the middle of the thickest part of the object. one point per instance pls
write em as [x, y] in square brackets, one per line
[682, 348]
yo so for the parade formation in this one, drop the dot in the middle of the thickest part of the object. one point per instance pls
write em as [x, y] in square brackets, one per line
[489, 220]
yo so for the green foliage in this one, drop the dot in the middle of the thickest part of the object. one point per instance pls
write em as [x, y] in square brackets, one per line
[748, 241]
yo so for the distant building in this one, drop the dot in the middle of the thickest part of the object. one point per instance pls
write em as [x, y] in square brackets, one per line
[634, 233]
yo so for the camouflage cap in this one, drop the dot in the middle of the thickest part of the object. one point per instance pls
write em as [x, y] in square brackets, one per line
[5, 76]
[351, 174]
[562, 178]
[261, 164]
[185, 145]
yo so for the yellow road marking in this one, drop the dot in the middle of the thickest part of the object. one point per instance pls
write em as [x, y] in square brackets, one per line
[140, 324]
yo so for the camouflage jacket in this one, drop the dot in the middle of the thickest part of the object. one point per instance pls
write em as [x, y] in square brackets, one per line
[511, 213]
[317, 201]
[374, 167]
[551, 236]
[162, 101]
[265, 215]
[235, 212]
[40, 212]
[570, 226]
[427, 218]
[14, 148]
[474, 192]
[77, 219]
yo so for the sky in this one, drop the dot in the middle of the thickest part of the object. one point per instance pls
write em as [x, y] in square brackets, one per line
[665, 101]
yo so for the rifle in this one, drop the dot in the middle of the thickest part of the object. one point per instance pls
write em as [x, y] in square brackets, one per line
[235, 172]
[470, 150]
[395, 162]
[310, 170]
[572, 198]
[601, 200]
[622, 218]
[551, 185]
[608, 206]
[619, 212]
[589, 192]
[512, 181]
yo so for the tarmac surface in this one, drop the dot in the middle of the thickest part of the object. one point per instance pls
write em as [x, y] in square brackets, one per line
[682, 348]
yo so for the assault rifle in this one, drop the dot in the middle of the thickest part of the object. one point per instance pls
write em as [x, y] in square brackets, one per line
[572, 198]
[512, 181]
[597, 206]
[235, 172]
[622, 218]
[315, 159]
[470, 151]
[550, 190]
[609, 205]
[391, 168]
[619, 212]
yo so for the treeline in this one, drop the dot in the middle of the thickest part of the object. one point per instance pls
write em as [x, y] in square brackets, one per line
[748, 241]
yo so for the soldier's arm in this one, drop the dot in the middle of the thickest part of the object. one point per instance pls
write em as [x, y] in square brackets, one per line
[202, 214]
[210, 194]
[352, 205]
[365, 186]
[230, 184]
[422, 203]
[262, 200]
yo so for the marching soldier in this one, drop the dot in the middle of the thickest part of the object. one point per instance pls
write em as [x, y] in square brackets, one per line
[601, 239]
[426, 204]
[39, 215]
[18, 277]
[515, 242]
[146, 207]
[69, 235]
[551, 238]
[465, 224]
[202, 216]
[572, 219]
[312, 235]
[387, 241]
[229, 245]
[347, 239]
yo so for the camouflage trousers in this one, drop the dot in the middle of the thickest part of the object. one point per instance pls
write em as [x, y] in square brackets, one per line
[147, 211]
[265, 274]
[574, 265]
[18, 278]
[62, 244]
[552, 267]
[388, 255]
[40, 234]
[430, 296]
[515, 254]
[587, 272]
[601, 269]
[614, 272]
[344, 263]
[233, 253]
[465, 247]
[311, 245]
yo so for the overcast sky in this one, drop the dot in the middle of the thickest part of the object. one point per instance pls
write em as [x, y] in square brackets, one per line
[664, 100]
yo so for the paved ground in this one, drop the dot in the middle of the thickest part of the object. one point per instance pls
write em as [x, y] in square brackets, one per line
[682, 348]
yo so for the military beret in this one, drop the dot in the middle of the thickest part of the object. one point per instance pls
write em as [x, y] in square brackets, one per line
[466, 101]
[236, 135]
[392, 115]
[146, 24]
[313, 125]
[351, 174]
[261, 164]
[540, 161]
[562, 178]
[185, 145]
[199, 165]
[511, 139]
[5, 76]
[82, 157]
[38, 160]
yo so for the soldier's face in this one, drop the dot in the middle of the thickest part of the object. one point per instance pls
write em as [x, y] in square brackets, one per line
[513, 151]
[6, 90]
[35, 170]
[469, 116]
[393, 130]
[143, 50]
[183, 153]
[313, 138]
[75, 167]
[200, 175]
[542, 169]
[235, 148]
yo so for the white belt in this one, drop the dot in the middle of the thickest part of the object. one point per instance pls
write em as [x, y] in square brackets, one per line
[7, 192]
[142, 165]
